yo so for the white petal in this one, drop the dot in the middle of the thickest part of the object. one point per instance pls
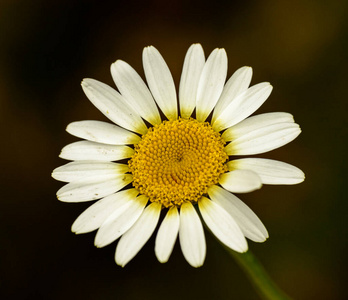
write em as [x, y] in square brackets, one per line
[77, 170]
[240, 181]
[95, 215]
[247, 220]
[256, 122]
[191, 73]
[136, 237]
[263, 139]
[191, 236]
[167, 235]
[243, 106]
[102, 132]
[85, 150]
[160, 82]
[113, 105]
[211, 83]
[92, 188]
[133, 88]
[270, 171]
[120, 221]
[222, 225]
[238, 83]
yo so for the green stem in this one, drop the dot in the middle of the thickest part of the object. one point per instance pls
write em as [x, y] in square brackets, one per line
[265, 286]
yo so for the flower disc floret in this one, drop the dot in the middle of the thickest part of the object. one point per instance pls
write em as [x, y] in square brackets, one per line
[177, 161]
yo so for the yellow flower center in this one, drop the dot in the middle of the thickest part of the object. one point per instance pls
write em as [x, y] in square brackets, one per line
[177, 161]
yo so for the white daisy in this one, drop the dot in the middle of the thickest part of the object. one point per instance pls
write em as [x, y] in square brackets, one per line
[175, 164]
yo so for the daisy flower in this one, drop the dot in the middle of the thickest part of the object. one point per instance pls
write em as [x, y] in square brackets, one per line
[180, 163]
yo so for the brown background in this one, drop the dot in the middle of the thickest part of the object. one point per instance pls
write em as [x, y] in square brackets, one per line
[47, 47]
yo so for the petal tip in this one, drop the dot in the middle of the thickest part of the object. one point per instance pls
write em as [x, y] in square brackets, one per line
[98, 245]
[196, 264]
[85, 82]
[148, 48]
[121, 264]
[115, 65]
[53, 174]
[162, 260]
[242, 248]
[75, 230]
[197, 45]
[245, 250]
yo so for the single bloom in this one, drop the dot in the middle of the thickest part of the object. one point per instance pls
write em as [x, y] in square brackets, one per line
[174, 155]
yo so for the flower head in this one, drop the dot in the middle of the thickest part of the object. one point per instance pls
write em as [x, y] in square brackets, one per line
[179, 162]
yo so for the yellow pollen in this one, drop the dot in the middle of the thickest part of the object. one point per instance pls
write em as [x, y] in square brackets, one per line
[177, 161]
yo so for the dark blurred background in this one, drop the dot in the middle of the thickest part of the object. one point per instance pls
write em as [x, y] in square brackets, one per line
[47, 47]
